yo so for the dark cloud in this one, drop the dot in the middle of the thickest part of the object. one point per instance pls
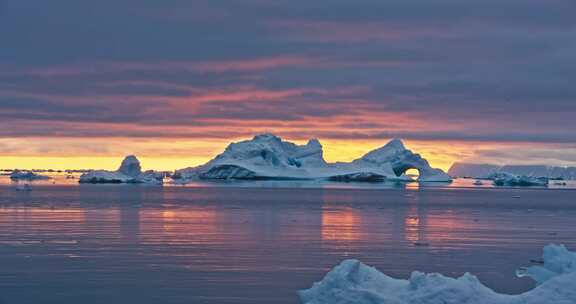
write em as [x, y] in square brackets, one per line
[433, 70]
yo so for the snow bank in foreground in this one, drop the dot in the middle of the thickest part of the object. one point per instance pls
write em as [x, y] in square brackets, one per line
[354, 282]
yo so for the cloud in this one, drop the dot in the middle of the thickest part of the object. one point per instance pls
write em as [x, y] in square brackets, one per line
[484, 71]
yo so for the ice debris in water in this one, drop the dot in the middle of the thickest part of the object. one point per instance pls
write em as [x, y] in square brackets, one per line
[355, 282]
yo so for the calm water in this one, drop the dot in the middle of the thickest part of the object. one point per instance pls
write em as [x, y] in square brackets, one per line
[211, 244]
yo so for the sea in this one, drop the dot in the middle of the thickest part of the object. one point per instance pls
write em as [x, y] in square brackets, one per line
[261, 242]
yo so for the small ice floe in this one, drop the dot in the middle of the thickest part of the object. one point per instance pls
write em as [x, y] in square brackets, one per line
[354, 282]
[421, 244]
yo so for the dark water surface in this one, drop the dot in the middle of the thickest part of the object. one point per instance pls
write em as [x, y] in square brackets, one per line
[136, 244]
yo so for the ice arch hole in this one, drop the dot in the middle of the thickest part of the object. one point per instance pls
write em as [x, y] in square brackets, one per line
[413, 173]
[407, 170]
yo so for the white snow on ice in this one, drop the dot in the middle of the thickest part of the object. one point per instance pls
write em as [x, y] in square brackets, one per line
[355, 282]
[509, 179]
[267, 156]
[129, 172]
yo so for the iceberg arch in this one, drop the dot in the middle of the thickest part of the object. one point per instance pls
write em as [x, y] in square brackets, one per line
[401, 160]
[267, 156]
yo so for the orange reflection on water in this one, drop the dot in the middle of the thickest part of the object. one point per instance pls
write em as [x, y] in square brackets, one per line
[35, 225]
[340, 225]
[192, 225]
[42, 217]
[412, 229]
[436, 228]
[449, 227]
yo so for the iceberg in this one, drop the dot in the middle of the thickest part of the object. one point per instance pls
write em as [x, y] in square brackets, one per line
[267, 156]
[354, 282]
[395, 155]
[130, 172]
[26, 175]
[509, 179]
[479, 170]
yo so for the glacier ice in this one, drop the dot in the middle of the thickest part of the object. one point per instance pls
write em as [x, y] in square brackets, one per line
[129, 172]
[354, 282]
[267, 156]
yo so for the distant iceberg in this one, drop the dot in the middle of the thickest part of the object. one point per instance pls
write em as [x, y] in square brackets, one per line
[508, 179]
[26, 175]
[353, 282]
[267, 156]
[460, 169]
[129, 172]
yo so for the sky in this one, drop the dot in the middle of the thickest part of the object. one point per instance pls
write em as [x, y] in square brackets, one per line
[83, 83]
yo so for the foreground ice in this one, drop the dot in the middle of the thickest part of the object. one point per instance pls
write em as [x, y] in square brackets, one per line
[129, 172]
[354, 282]
[26, 175]
[267, 156]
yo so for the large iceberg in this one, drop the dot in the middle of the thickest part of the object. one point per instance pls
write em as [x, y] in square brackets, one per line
[354, 282]
[267, 156]
[129, 172]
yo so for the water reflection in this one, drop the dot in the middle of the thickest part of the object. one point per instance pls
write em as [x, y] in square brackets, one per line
[140, 215]
[334, 218]
[340, 225]
[260, 245]
[169, 225]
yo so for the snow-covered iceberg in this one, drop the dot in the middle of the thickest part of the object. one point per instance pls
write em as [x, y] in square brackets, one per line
[395, 156]
[508, 179]
[478, 170]
[130, 171]
[354, 282]
[26, 175]
[267, 156]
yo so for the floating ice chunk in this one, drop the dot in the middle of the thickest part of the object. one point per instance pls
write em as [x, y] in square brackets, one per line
[26, 175]
[508, 179]
[354, 282]
[129, 172]
[557, 261]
